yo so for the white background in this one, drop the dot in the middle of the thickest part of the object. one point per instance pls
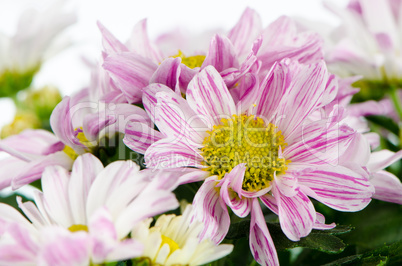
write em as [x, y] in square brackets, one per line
[69, 73]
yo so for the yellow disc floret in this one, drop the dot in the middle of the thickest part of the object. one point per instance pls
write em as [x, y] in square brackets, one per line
[245, 139]
[173, 246]
[191, 61]
[78, 227]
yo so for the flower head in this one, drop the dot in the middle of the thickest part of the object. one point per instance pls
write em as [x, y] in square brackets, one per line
[265, 147]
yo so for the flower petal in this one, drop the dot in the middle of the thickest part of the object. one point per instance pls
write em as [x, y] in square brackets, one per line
[168, 73]
[210, 97]
[387, 187]
[245, 31]
[296, 214]
[33, 170]
[240, 206]
[139, 137]
[85, 169]
[338, 187]
[382, 159]
[221, 54]
[131, 72]
[261, 245]
[109, 42]
[211, 210]
[175, 118]
[167, 153]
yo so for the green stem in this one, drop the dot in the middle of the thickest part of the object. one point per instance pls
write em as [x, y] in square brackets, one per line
[396, 101]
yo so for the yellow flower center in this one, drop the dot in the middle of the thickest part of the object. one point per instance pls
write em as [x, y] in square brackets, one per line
[78, 227]
[245, 139]
[173, 246]
[191, 61]
[81, 137]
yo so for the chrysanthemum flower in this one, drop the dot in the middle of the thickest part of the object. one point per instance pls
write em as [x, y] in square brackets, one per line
[21, 55]
[263, 148]
[235, 55]
[104, 203]
[175, 240]
[79, 123]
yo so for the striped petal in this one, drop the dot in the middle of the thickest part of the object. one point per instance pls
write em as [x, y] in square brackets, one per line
[209, 96]
[131, 72]
[261, 245]
[109, 42]
[338, 187]
[211, 210]
[33, 170]
[245, 31]
[221, 54]
[387, 187]
[382, 159]
[240, 206]
[149, 99]
[139, 137]
[167, 153]
[168, 73]
[175, 118]
[296, 214]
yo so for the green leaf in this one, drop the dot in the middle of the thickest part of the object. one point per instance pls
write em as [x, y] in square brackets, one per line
[322, 240]
[387, 255]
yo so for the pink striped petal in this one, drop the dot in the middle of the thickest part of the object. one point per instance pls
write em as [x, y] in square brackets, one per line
[246, 94]
[33, 170]
[85, 169]
[382, 159]
[9, 169]
[106, 245]
[168, 73]
[221, 54]
[296, 214]
[139, 137]
[209, 96]
[261, 245]
[211, 210]
[387, 187]
[175, 118]
[131, 72]
[240, 206]
[245, 31]
[320, 223]
[149, 98]
[62, 124]
[338, 187]
[31, 212]
[281, 40]
[110, 43]
[94, 123]
[270, 202]
[9, 215]
[139, 42]
[39, 142]
[303, 94]
[61, 247]
[167, 153]
[287, 184]
[320, 144]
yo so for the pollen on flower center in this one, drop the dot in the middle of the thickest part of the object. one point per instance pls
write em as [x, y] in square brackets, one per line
[78, 227]
[173, 246]
[191, 61]
[245, 139]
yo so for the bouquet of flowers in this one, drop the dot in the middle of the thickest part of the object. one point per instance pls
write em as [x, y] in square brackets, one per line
[266, 147]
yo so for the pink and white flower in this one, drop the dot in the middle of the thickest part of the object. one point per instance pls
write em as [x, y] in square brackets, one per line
[206, 131]
[93, 207]
[236, 55]
[78, 123]
[366, 45]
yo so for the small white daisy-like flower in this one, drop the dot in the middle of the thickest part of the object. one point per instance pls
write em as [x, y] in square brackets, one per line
[175, 240]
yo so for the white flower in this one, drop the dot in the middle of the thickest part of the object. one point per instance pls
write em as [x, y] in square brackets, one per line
[175, 240]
